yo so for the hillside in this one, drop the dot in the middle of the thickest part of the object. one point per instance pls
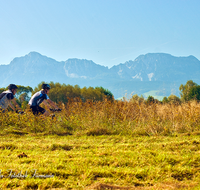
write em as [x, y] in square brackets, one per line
[160, 72]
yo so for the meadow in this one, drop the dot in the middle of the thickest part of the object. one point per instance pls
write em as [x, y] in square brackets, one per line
[102, 145]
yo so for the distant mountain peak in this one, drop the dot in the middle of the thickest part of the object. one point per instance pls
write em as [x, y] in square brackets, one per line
[34, 53]
[145, 70]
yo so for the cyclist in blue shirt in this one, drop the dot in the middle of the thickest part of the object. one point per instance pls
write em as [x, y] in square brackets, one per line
[41, 97]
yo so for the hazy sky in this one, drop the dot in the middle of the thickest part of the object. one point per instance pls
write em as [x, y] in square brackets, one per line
[107, 32]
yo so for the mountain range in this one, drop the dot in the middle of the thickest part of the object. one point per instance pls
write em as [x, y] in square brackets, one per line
[160, 73]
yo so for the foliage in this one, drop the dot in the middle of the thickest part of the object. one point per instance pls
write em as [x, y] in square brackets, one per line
[23, 89]
[165, 100]
[194, 93]
[62, 92]
[23, 97]
[174, 99]
[2, 89]
[151, 100]
[185, 90]
[137, 99]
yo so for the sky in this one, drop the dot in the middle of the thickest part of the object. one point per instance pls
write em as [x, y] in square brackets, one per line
[108, 32]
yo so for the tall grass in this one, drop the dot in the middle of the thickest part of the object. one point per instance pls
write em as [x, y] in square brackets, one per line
[104, 145]
[108, 117]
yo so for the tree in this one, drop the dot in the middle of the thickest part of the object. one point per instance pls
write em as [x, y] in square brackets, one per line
[108, 94]
[165, 100]
[194, 93]
[23, 100]
[150, 100]
[136, 99]
[185, 90]
[62, 92]
[23, 97]
[174, 99]
[2, 89]
[22, 89]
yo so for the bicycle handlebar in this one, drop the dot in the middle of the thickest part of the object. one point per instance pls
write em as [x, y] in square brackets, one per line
[55, 110]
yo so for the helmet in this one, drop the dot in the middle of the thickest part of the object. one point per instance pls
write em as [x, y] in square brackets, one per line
[46, 86]
[12, 86]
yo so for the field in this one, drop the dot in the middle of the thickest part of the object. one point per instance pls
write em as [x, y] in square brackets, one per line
[102, 145]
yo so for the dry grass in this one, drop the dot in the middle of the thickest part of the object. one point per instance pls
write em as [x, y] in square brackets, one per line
[105, 145]
[108, 118]
[134, 118]
[101, 162]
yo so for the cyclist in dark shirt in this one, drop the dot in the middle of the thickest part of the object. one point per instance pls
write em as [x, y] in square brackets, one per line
[41, 97]
[7, 98]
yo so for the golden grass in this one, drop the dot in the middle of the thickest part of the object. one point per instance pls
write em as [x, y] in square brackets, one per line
[104, 145]
[101, 162]
[106, 118]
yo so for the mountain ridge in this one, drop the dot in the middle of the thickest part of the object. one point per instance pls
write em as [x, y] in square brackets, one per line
[149, 70]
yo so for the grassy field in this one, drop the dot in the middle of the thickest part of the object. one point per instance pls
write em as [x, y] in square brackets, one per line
[83, 162]
[102, 145]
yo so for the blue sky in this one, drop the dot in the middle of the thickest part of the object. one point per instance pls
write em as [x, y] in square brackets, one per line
[108, 32]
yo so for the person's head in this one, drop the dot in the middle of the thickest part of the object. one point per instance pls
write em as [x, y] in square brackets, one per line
[13, 88]
[46, 88]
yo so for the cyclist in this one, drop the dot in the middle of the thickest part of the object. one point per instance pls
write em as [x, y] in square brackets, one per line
[42, 97]
[7, 98]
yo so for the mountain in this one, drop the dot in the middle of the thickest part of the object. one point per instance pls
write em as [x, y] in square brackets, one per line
[159, 67]
[159, 72]
[30, 69]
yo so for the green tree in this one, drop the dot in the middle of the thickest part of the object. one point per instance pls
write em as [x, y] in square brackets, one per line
[174, 99]
[90, 94]
[137, 99]
[165, 100]
[95, 94]
[21, 90]
[106, 92]
[194, 93]
[185, 90]
[62, 92]
[23, 100]
[23, 97]
[150, 100]
[2, 89]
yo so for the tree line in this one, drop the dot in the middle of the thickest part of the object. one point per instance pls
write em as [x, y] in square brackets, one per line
[62, 93]
[189, 91]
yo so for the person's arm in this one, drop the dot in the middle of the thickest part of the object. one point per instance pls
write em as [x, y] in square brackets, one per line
[12, 107]
[52, 103]
[46, 104]
[15, 103]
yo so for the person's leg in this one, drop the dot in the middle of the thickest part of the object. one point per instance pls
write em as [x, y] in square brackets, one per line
[41, 110]
[34, 110]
